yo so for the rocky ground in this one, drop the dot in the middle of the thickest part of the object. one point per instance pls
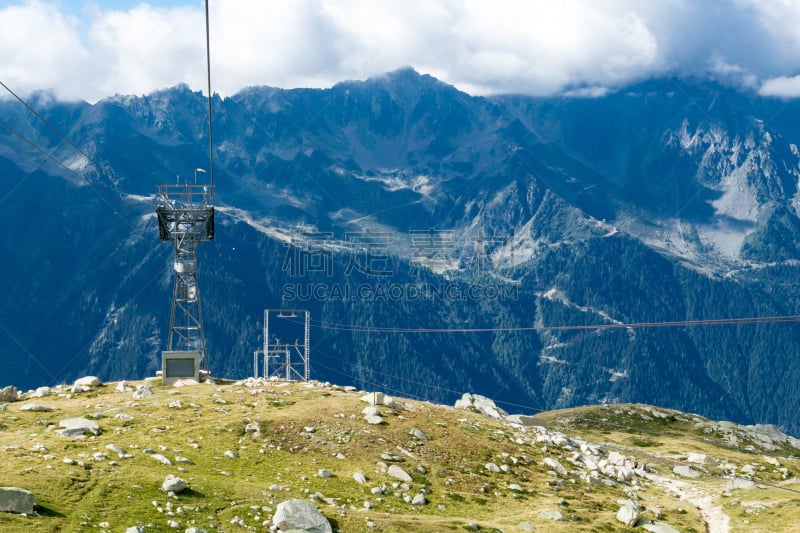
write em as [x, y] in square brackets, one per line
[259, 455]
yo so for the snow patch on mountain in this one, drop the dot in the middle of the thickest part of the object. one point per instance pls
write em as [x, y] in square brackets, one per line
[437, 265]
[139, 198]
[616, 375]
[555, 295]
[396, 180]
[739, 198]
[77, 164]
[795, 202]
[520, 249]
[262, 226]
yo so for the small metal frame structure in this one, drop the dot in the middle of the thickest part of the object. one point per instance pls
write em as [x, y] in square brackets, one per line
[186, 218]
[286, 360]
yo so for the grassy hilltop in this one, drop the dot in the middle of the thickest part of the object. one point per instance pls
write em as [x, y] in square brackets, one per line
[245, 447]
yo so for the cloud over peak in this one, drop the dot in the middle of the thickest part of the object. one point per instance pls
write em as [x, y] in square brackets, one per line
[583, 47]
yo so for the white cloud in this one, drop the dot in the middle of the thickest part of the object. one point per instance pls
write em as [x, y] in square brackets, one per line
[146, 48]
[40, 48]
[735, 74]
[780, 20]
[782, 86]
[482, 47]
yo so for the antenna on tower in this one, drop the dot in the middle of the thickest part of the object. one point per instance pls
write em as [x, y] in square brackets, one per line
[186, 218]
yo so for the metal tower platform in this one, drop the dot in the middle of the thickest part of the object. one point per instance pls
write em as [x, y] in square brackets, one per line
[185, 218]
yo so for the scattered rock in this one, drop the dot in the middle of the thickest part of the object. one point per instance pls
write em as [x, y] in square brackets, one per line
[360, 477]
[419, 434]
[628, 515]
[491, 467]
[87, 381]
[119, 450]
[379, 398]
[37, 407]
[700, 458]
[419, 499]
[173, 484]
[398, 473]
[16, 500]
[555, 466]
[161, 459]
[300, 515]
[739, 483]
[77, 427]
[481, 404]
[40, 392]
[9, 394]
[143, 390]
[374, 420]
[123, 387]
[371, 410]
[686, 471]
[616, 458]
[550, 514]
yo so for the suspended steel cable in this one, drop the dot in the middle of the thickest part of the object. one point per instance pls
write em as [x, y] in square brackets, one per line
[58, 132]
[40, 149]
[94, 186]
[632, 325]
[210, 128]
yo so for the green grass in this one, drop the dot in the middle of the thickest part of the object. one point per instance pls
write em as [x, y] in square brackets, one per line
[282, 461]
[643, 443]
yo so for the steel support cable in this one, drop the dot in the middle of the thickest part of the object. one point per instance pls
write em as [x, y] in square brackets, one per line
[210, 129]
[39, 149]
[632, 325]
[57, 132]
[99, 190]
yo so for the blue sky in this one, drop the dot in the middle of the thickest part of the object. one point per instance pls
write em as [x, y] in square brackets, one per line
[77, 6]
[92, 49]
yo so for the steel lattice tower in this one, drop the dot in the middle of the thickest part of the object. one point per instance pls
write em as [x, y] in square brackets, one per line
[186, 218]
[282, 359]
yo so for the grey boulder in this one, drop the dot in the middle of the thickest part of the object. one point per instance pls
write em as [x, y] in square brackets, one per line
[16, 500]
[300, 515]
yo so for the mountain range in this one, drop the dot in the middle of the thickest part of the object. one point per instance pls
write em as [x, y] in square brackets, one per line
[546, 252]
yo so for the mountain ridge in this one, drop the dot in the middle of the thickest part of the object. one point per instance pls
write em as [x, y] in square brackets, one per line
[523, 198]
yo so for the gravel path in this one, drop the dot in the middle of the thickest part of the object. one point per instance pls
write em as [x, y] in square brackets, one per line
[713, 515]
